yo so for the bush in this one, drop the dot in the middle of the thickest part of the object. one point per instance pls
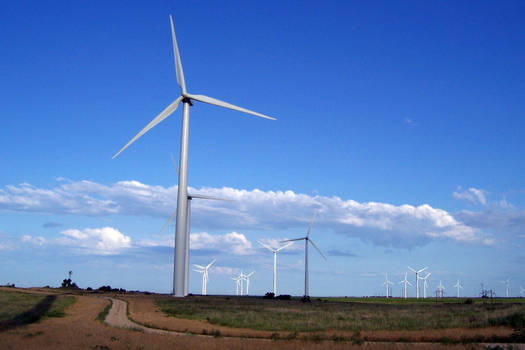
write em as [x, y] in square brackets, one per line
[67, 283]
[305, 299]
[469, 301]
[284, 297]
[269, 295]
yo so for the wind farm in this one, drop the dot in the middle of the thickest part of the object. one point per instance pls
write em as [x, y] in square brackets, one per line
[414, 207]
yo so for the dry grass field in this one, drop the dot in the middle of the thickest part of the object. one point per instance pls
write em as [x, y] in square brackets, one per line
[79, 328]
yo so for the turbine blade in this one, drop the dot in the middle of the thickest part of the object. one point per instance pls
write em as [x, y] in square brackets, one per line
[410, 284]
[311, 224]
[215, 102]
[316, 247]
[265, 246]
[412, 269]
[207, 267]
[174, 164]
[199, 266]
[291, 240]
[169, 220]
[423, 269]
[178, 63]
[284, 246]
[200, 196]
[163, 115]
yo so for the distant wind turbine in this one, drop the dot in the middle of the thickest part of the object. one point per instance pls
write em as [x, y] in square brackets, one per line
[306, 241]
[180, 269]
[237, 284]
[205, 277]
[441, 289]
[247, 279]
[507, 285]
[417, 279]
[522, 290]
[458, 286]
[405, 282]
[274, 251]
[386, 284]
[425, 285]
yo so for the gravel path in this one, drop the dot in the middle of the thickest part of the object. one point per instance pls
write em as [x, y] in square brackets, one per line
[118, 317]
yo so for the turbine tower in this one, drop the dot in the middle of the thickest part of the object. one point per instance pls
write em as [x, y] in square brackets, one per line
[458, 286]
[417, 279]
[189, 197]
[180, 269]
[386, 284]
[425, 285]
[204, 271]
[405, 282]
[306, 241]
[237, 284]
[274, 251]
[507, 285]
[522, 290]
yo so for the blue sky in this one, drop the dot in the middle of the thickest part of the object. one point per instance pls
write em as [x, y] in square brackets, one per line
[400, 122]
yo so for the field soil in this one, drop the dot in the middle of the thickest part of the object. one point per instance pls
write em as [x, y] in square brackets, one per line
[80, 329]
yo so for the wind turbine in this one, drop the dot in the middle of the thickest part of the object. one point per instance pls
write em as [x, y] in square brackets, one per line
[405, 282]
[237, 284]
[386, 283]
[440, 289]
[274, 251]
[180, 269]
[204, 271]
[522, 290]
[458, 286]
[507, 284]
[247, 279]
[188, 220]
[306, 241]
[417, 279]
[425, 285]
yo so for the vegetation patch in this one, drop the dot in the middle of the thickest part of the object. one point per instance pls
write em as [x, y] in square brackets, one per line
[22, 308]
[330, 314]
[102, 315]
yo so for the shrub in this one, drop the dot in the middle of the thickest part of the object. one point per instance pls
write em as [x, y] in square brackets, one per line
[284, 297]
[305, 299]
[269, 295]
[469, 301]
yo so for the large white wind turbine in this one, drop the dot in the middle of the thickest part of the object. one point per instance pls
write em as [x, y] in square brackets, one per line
[205, 277]
[458, 286]
[417, 278]
[386, 284]
[405, 282]
[274, 251]
[180, 270]
[237, 284]
[507, 285]
[306, 241]
[247, 279]
[425, 285]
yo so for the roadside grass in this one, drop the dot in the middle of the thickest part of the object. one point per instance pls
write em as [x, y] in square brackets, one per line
[22, 308]
[333, 315]
[102, 315]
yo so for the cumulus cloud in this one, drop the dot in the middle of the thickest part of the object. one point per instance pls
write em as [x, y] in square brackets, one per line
[103, 241]
[233, 242]
[380, 223]
[473, 195]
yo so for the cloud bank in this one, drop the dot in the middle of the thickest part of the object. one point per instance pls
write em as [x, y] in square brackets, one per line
[273, 211]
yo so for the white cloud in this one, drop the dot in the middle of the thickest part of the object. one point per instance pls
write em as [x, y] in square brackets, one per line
[380, 223]
[233, 242]
[105, 240]
[473, 195]
[33, 240]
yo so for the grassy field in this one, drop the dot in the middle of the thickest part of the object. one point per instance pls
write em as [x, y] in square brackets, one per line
[22, 308]
[348, 315]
